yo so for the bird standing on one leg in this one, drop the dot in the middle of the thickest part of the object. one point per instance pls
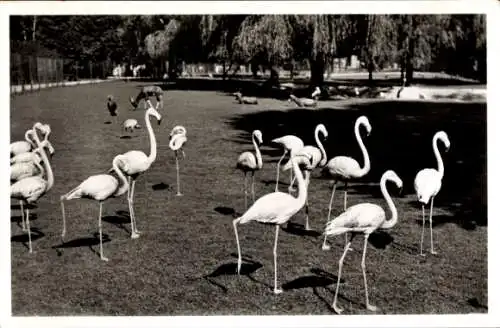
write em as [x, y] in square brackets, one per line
[275, 208]
[291, 144]
[428, 183]
[250, 162]
[98, 187]
[30, 189]
[342, 168]
[135, 162]
[363, 218]
[178, 137]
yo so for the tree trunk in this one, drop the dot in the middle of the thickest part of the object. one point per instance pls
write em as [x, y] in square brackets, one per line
[317, 71]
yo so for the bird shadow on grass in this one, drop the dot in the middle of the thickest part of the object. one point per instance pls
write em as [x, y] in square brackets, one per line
[380, 239]
[107, 122]
[118, 220]
[83, 242]
[225, 210]
[299, 230]
[15, 207]
[273, 182]
[230, 269]
[17, 219]
[161, 186]
[126, 137]
[474, 302]
[24, 239]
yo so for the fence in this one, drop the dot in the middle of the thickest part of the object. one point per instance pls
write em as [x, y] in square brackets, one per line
[33, 72]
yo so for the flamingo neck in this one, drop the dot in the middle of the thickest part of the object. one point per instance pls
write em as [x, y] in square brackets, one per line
[366, 158]
[124, 187]
[302, 194]
[321, 148]
[394, 213]
[152, 139]
[257, 152]
[439, 159]
[46, 163]
[28, 139]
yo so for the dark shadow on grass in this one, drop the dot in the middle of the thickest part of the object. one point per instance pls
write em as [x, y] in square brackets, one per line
[380, 239]
[224, 210]
[475, 303]
[82, 242]
[248, 267]
[14, 207]
[401, 140]
[17, 219]
[161, 186]
[125, 137]
[107, 122]
[299, 230]
[23, 238]
[118, 220]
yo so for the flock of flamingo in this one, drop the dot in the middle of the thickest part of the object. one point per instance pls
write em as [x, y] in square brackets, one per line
[32, 177]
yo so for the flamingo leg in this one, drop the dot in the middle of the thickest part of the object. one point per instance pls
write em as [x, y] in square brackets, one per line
[23, 224]
[133, 234]
[132, 207]
[278, 170]
[430, 223]
[64, 220]
[307, 173]
[345, 205]
[363, 266]
[100, 233]
[423, 229]
[253, 186]
[178, 178]
[29, 230]
[235, 223]
[275, 253]
[337, 309]
[325, 246]
[245, 186]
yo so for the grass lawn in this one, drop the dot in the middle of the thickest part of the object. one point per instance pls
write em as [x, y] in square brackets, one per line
[184, 261]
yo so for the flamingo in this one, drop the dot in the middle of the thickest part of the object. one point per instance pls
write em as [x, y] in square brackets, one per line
[135, 162]
[30, 189]
[250, 162]
[428, 183]
[245, 100]
[318, 159]
[98, 187]
[291, 144]
[342, 168]
[275, 208]
[177, 141]
[363, 218]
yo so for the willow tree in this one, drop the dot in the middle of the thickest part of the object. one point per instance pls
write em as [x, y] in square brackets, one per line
[158, 45]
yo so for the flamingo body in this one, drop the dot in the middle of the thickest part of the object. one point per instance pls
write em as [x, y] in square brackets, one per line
[134, 162]
[250, 162]
[427, 184]
[23, 170]
[26, 157]
[131, 124]
[343, 168]
[177, 140]
[291, 144]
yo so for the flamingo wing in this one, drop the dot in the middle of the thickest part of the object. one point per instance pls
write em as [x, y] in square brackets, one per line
[133, 162]
[314, 152]
[276, 207]
[29, 189]
[247, 160]
[342, 166]
[98, 187]
[177, 141]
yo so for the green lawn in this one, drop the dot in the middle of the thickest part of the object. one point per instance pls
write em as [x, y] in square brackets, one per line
[184, 261]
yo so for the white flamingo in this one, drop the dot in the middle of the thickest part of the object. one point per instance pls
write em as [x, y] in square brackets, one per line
[135, 162]
[177, 141]
[30, 189]
[428, 183]
[250, 162]
[291, 144]
[275, 208]
[343, 168]
[98, 187]
[318, 159]
[363, 218]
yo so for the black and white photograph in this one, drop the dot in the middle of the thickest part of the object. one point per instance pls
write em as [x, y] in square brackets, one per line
[242, 163]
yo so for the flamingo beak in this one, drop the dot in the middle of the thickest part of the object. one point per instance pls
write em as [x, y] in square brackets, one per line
[159, 121]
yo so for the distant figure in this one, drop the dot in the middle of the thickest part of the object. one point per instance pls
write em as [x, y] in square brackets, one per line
[112, 108]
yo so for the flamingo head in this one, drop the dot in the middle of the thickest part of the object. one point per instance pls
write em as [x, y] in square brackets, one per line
[363, 120]
[356, 91]
[258, 135]
[441, 135]
[110, 98]
[153, 112]
[392, 176]
[321, 128]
